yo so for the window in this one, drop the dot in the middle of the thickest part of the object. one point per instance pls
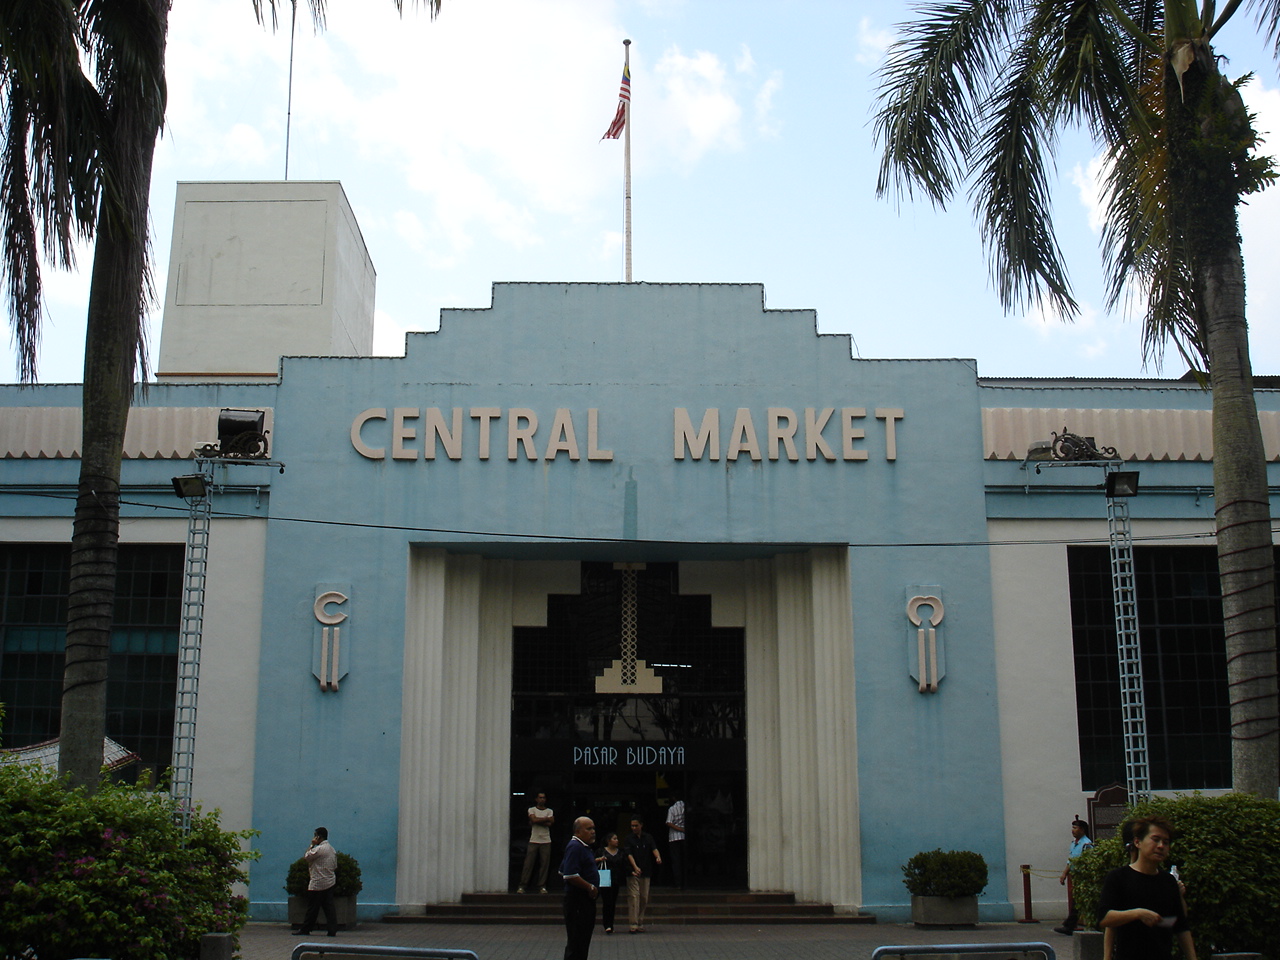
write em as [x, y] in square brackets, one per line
[1183, 667]
[143, 667]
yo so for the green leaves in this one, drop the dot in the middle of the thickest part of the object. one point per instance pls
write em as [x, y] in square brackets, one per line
[1225, 850]
[111, 874]
[954, 873]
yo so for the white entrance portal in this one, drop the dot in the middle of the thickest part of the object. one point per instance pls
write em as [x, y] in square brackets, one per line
[802, 779]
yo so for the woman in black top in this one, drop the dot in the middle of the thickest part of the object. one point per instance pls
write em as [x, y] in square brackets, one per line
[610, 857]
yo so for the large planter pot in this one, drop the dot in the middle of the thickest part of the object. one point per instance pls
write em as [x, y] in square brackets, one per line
[346, 907]
[944, 911]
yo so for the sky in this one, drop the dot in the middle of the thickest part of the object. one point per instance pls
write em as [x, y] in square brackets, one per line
[470, 150]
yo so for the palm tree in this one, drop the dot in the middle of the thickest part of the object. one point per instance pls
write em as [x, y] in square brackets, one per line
[76, 163]
[976, 91]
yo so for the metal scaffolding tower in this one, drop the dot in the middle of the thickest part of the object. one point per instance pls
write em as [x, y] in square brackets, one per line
[193, 585]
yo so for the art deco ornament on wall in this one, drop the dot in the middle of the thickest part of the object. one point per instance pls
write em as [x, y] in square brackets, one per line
[628, 674]
[925, 653]
[329, 663]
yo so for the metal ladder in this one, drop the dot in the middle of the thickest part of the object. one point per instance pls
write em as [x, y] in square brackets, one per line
[193, 587]
[1133, 709]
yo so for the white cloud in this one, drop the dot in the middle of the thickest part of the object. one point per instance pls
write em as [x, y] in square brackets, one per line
[767, 124]
[745, 63]
[700, 110]
[873, 42]
[1088, 182]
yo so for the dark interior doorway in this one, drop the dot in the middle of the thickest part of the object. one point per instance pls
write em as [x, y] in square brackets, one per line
[613, 756]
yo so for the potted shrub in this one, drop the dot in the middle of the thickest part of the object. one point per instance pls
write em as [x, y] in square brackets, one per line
[347, 884]
[944, 887]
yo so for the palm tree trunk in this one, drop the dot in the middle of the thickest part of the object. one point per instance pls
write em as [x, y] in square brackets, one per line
[118, 291]
[1208, 129]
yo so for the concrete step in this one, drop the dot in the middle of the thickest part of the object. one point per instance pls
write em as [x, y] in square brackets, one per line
[665, 907]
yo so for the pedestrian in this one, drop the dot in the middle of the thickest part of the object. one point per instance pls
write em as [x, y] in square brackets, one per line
[614, 868]
[676, 837]
[1080, 842]
[581, 887]
[1142, 903]
[538, 853]
[642, 855]
[322, 862]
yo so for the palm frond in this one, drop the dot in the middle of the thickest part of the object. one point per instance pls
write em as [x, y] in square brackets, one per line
[930, 89]
[1012, 194]
[20, 260]
[1145, 257]
[1089, 73]
[1268, 22]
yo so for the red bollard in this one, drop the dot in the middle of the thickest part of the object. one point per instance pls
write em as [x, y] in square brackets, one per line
[1026, 895]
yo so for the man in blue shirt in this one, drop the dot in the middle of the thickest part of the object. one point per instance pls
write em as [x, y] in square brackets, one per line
[581, 887]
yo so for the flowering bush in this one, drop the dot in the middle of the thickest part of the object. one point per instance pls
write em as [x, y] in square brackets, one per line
[111, 874]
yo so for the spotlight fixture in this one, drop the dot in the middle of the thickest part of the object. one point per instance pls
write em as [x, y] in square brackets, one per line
[190, 487]
[1123, 483]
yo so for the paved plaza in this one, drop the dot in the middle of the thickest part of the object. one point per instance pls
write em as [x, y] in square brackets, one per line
[274, 941]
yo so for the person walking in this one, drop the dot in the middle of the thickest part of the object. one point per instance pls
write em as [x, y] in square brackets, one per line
[1080, 842]
[612, 861]
[642, 855]
[1143, 904]
[322, 863]
[581, 887]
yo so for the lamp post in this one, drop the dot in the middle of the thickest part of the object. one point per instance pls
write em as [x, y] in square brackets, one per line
[1071, 450]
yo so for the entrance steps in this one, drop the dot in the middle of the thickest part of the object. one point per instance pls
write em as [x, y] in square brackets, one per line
[665, 907]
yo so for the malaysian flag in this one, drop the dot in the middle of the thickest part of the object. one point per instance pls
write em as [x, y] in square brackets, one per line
[620, 118]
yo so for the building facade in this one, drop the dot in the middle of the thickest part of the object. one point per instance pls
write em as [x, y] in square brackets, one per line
[620, 543]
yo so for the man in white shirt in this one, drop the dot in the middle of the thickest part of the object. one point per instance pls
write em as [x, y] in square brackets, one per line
[322, 862]
[541, 818]
[676, 837]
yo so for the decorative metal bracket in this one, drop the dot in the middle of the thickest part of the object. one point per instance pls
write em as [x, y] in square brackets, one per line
[1073, 447]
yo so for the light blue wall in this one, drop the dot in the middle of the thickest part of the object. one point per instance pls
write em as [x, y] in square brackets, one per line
[929, 766]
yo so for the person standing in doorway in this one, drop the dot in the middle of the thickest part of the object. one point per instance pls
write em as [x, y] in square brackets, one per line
[676, 836]
[538, 853]
[1080, 842]
[322, 862]
[1143, 903]
[642, 855]
[581, 887]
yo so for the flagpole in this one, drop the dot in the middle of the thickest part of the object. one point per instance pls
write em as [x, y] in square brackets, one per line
[626, 164]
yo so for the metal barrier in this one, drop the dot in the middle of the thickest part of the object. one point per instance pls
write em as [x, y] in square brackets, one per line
[369, 950]
[932, 949]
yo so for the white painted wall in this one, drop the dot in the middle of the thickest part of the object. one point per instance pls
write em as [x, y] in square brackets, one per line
[457, 691]
[258, 271]
[1039, 739]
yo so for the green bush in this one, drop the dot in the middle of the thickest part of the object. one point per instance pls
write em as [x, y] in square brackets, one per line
[954, 873]
[1225, 849]
[346, 878]
[110, 875]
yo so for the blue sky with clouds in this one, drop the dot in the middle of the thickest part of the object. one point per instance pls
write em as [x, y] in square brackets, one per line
[470, 149]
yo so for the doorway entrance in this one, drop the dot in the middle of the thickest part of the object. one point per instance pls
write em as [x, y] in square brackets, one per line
[598, 749]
